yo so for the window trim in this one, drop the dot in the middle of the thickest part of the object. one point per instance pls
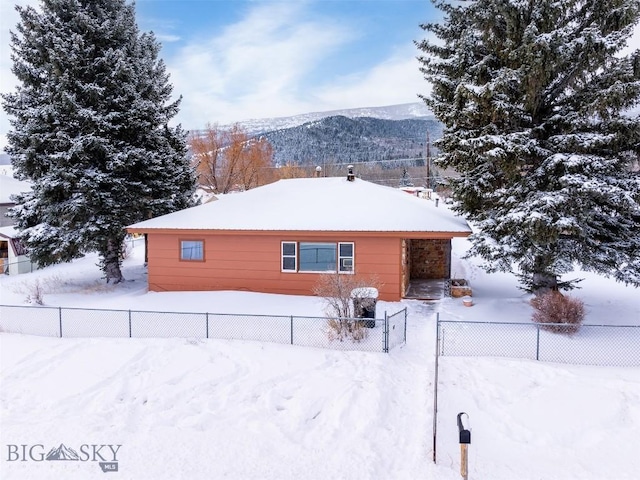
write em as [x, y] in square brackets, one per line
[345, 257]
[294, 256]
[339, 258]
[191, 260]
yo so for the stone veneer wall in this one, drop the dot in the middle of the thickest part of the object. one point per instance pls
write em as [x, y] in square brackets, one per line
[406, 264]
[430, 258]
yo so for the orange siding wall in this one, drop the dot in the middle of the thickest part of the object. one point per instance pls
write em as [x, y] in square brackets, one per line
[252, 263]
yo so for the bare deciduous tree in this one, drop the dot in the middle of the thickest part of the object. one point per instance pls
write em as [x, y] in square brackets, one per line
[341, 292]
[227, 160]
[206, 147]
[291, 170]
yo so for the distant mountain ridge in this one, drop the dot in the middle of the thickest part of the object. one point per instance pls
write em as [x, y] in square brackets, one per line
[352, 135]
[339, 139]
[389, 112]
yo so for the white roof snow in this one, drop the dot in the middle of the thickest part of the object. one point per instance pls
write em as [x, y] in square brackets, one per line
[8, 232]
[11, 186]
[315, 204]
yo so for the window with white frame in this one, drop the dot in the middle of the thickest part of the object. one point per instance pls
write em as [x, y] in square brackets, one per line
[316, 257]
[289, 256]
[345, 257]
[192, 250]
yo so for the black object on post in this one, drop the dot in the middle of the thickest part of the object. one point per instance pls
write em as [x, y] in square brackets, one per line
[465, 435]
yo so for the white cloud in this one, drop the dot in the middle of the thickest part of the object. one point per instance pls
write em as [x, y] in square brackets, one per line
[256, 67]
[395, 80]
[167, 38]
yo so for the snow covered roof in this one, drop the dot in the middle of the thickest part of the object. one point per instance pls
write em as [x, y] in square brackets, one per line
[8, 232]
[11, 186]
[314, 204]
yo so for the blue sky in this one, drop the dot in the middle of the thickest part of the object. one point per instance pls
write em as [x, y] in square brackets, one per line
[234, 60]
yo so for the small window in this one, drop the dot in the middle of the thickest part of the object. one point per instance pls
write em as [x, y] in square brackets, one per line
[289, 256]
[192, 250]
[345, 259]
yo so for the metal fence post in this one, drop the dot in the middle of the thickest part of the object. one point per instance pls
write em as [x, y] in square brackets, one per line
[405, 325]
[435, 388]
[60, 319]
[537, 342]
[129, 323]
[207, 323]
[291, 329]
[385, 347]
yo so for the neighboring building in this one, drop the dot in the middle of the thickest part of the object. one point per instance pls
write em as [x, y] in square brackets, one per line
[13, 255]
[279, 237]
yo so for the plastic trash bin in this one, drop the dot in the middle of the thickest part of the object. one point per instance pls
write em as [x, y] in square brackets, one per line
[364, 304]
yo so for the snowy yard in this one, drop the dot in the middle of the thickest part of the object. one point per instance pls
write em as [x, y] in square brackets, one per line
[213, 409]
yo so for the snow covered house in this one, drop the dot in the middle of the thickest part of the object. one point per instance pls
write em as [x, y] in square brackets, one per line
[279, 237]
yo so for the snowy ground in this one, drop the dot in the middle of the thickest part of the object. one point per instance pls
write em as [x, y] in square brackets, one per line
[214, 409]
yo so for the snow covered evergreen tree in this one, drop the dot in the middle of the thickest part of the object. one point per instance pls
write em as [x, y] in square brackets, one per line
[535, 99]
[90, 130]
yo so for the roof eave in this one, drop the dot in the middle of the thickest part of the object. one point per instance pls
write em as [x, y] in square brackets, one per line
[299, 233]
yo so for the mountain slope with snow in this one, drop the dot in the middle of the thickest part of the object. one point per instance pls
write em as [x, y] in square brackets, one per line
[404, 111]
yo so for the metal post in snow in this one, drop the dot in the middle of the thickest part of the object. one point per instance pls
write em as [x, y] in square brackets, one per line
[207, 324]
[537, 342]
[129, 323]
[385, 347]
[435, 388]
[291, 329]
[60, 319]
[405, 324]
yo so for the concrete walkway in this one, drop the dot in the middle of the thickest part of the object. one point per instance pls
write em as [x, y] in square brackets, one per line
[426, 289]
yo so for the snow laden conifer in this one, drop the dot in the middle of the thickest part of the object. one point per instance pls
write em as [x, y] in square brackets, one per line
[90, 130]
[536, 98]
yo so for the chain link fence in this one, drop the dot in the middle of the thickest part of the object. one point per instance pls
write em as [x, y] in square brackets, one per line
[17, 267]
[374, 334]
[601, 345]
[598, 345]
